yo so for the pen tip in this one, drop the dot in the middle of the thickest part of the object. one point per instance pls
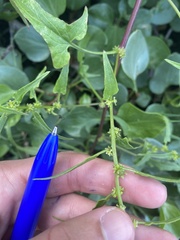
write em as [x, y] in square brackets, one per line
[54, 131]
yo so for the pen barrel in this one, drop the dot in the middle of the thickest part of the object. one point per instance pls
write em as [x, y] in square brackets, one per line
[36, 190]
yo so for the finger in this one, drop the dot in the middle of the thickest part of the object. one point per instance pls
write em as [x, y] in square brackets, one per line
[102, 224]
[97, 177]
[72, 205]
[63, 208]
[93, 177]
[152, 233]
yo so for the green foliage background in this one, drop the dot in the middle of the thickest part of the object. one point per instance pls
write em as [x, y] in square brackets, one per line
[59, 69]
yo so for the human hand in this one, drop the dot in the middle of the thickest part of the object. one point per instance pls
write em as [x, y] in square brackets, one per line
[79, 222]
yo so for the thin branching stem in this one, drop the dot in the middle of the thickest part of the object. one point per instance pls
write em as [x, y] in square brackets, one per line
[115, 158]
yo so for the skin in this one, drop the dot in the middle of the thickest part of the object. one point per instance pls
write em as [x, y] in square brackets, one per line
[79, 221]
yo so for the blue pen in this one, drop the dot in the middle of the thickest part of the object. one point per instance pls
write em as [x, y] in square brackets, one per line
[36, 190]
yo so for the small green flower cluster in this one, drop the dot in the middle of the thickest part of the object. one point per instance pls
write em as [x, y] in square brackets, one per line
[120, 51]
[171, 154]
[30, 107]
[111, 101]
[119, 170]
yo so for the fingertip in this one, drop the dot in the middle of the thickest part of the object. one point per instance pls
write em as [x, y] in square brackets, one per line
[116, 224]
[106, 223]
[161, 197]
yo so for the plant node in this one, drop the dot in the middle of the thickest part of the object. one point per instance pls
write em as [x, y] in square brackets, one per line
[109, 151]
[111, 101]
[119, 170]
[120, 51]
[57, 105]
[135, 223]
[12, 104]
[174, 155]
[117, 132]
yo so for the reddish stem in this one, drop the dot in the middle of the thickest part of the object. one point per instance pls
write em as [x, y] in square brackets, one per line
[130, 23]
[122, 45]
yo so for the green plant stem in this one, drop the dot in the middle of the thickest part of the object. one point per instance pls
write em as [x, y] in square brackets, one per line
[3, 119]
[174, 7]
[91, 52]
[169, 221]
[11, 139]
[162, 179]
[88, 159]
[115, 158]
[116, 67]
[93, 90]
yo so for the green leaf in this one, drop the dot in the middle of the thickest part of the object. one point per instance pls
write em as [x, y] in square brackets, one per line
[54, 7]
[122, 8]
[143, 99]
[41, 123]
[138, 124]
[125, 80]
[12, 77]
[175, 26]
[61, 83]
[30, 87]
[3, 149]
[85, 99]
[114, 36]
[57, 34]
[141, 161]
[165, 75]
[169, 211]
[7, 12]
[92, 70]
[165, 164]
[13, 120]
[162, 13]
[3, 120]
[8, 110]
[102, 202]
[95, 40]
[76, 4]
[132, 3]
[110, 82]
[30, 150]
[32, 44]
[124, 143]
[101, 15]
[79, 121]
[137, 55]
[156, 107]
[5, 93]
[143, 21]
[157, 54]
[121, 96]
[19, 12]
[12, 58]
[173, 63]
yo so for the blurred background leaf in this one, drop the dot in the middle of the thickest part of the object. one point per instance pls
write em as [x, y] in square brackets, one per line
[32, 44]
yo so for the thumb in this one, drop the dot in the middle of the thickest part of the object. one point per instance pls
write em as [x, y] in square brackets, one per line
[116, 224]
[102, 224]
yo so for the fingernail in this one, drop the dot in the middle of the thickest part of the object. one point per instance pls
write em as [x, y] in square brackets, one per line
[116, 224]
